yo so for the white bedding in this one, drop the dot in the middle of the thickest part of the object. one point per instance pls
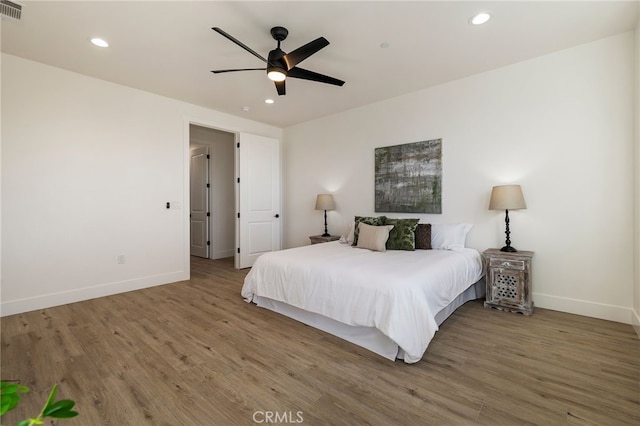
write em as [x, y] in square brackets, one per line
[398, 292]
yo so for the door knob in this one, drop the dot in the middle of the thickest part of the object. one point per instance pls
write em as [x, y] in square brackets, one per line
[277, 215]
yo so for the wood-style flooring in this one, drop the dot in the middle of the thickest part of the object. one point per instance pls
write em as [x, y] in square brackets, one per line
[194, 353]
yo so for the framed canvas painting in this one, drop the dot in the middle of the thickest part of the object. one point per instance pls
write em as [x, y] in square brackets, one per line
[409, 178]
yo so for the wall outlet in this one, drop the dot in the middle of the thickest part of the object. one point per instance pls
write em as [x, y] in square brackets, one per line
[121, 259]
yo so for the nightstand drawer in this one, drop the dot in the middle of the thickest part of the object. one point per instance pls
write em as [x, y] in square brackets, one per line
[518, 265]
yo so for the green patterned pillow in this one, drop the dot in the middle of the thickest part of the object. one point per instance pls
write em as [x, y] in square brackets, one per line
[403, 234]
[369, 220]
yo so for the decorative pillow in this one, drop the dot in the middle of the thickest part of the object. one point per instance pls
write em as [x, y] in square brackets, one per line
[423, 236]
[449, 236]
[403, 235]
[369, 220]
[351, 235]
[373, 237]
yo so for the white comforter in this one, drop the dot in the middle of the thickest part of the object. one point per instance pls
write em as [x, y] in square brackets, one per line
[397, 292]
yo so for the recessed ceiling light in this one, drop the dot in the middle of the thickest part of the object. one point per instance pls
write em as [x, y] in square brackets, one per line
[269, 101]
[480, 18]
[99, 42]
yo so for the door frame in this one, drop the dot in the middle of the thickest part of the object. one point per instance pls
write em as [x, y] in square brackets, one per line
[186, 185]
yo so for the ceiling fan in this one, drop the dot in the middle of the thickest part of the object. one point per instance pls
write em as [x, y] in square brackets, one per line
[281, 65]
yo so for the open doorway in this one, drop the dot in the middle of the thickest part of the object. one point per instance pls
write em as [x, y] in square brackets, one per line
[213, 209]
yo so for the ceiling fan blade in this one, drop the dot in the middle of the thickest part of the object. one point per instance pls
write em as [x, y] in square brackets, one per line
[303, 52]
[239, 69]
[313, 76]
[239, 43]
[280, 87]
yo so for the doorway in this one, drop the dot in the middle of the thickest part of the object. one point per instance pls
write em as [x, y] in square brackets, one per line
[215, 227]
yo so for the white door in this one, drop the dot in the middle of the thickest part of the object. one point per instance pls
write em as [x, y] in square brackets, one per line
[259, 198]
[199, 210]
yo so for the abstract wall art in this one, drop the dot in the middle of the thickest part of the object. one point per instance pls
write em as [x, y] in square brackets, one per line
[408, 178]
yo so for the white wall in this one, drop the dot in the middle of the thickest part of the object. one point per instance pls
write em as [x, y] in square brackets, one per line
[560, 125]
[87, 167]
[222, 188]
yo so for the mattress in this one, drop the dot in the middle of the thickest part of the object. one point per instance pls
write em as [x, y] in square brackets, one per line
[397, 293]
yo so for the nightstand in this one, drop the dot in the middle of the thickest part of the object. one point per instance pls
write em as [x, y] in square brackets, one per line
[508, 277]
[315, 239]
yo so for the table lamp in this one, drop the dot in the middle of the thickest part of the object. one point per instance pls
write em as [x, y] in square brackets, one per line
[507, 197]
[325, 202]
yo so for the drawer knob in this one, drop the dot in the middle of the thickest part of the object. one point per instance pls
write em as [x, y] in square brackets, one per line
[506, 264]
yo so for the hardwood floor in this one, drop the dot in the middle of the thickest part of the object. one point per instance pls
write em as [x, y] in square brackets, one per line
[194, 353]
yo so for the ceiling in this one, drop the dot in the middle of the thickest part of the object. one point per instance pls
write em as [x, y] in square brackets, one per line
[169, 48]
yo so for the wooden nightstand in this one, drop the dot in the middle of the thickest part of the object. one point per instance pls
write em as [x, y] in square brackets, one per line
[315, 239]
[508, 277]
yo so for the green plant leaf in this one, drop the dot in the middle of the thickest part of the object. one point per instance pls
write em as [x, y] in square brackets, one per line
[60, 409]
[5, 384]
[8, 402]
[9, 387]
[64, 414]
[10, 396]
[15, 388]
[52, 396]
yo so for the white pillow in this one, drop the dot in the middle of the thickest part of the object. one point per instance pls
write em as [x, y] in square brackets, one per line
[373, 237]
[449, 236]
[350, 235]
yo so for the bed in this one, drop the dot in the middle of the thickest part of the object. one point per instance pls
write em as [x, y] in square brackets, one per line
[389, 302]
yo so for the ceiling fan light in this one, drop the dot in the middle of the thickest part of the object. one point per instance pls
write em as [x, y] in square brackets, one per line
[276, 75]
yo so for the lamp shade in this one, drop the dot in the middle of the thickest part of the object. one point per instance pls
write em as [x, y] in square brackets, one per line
[325, 202]
[507, 197]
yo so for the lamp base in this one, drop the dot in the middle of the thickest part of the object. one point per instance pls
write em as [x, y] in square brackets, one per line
[326, 234]
[508, 249]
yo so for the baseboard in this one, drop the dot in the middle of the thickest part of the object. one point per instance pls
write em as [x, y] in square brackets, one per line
[636, 322]
[222, 254]
[79, 295]
[584, 307]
